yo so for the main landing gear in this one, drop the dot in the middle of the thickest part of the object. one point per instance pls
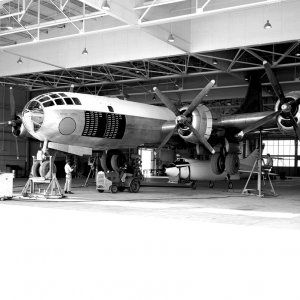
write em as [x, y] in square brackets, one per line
[42, 181]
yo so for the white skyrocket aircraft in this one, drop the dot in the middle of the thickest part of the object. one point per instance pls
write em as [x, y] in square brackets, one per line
[79, 123]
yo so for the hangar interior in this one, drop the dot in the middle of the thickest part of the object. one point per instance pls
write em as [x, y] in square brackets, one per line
[125, 48]
[166, 242]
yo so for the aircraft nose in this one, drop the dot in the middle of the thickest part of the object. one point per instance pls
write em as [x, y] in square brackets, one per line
[172, 172]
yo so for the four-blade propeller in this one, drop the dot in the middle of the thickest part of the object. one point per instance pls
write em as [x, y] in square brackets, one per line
[284, 108]
[183, 119]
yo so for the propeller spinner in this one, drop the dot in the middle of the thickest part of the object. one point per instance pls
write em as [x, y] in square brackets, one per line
[183, 119]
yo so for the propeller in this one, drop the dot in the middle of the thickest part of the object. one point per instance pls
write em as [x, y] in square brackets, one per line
[283, 108]
[183, 118]
[14, 121]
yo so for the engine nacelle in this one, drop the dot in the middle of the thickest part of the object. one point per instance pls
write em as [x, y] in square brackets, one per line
[201, 120]
[283, 121]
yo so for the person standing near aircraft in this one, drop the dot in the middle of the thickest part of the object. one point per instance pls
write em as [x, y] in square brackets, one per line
[127, 171]
[269, 162]
[68, 171]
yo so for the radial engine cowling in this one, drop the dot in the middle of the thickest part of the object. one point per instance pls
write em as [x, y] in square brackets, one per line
[201, 120]
[284, 120]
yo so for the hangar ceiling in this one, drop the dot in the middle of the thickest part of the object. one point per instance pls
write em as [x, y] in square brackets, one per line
[41, 45]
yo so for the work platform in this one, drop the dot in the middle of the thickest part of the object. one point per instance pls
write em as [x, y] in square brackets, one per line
[41, 187]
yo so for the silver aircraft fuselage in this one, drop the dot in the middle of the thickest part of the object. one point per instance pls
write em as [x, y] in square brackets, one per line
[92, 121]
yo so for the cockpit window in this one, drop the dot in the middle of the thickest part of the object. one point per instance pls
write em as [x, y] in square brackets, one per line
[69, 101]
[62, 95]
[48, 103]
[39, 97]
[34, 114]
[76, 101]
[45, 98]
[59, 101]
[54, 96]
[34, 105]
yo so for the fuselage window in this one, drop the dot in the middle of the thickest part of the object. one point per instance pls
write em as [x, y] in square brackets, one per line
[76, 101]
[59, 101]
[54, 96]
[48, 103]
[110, 108]
[69, 101]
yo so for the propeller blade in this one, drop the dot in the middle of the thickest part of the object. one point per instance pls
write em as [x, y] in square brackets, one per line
[167, 102]
[201, 139]
[274, 82]
[295, 125]
[166, 139]
[17, 148]
[199, 98]
[259, 123]
[4, 123]
[12, 104]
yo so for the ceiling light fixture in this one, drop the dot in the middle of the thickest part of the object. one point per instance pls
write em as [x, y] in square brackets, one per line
[215, 62]
[171, 38]
[6, 28]
[105, 5]
[84, 51]
[267, 25]
[20, 61]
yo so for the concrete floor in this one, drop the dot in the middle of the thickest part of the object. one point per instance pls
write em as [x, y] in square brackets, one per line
[161, 243]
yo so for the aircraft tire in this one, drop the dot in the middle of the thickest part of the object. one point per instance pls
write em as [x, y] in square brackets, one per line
[134, 186]
[232, 163]
[35, 169]
[44, 169]
[115, 159]
[114, 162]
[217, 163]
[103, 162]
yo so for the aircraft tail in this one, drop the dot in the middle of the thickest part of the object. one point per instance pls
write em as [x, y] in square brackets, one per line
[253, 100]
[248, 162]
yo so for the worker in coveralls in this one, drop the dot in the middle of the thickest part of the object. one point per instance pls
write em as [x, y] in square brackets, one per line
[68, 170]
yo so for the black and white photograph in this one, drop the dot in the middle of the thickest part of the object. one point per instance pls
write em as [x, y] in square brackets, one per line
[149, 149]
